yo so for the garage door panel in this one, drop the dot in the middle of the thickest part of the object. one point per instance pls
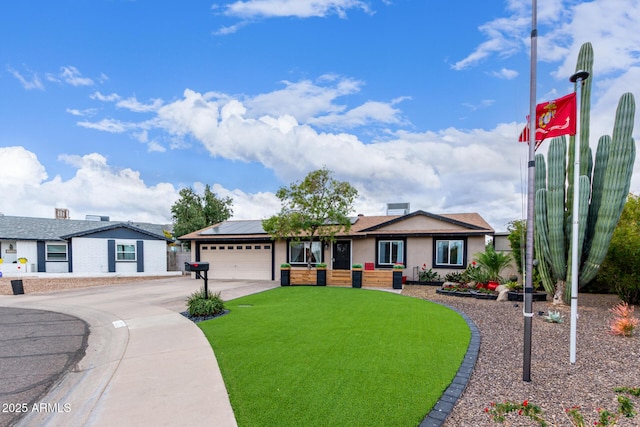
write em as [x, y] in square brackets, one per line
[227, 261]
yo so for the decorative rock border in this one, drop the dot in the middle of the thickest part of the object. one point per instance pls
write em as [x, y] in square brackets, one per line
[447, 401]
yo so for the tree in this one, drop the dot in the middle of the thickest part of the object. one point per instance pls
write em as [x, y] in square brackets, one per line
[193, 212]
[621, 267]
[314, 208]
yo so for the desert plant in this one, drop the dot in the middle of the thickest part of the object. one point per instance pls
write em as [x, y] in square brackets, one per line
[624, 322]
[453, 277]
[201, 305]
[429, 275]
[554, 317]
[604, 185]
[493, 262]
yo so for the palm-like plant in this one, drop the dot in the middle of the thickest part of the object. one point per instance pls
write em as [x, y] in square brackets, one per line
[493, 262]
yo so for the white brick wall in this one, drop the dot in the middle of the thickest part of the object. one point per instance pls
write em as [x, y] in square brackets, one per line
[91, 256]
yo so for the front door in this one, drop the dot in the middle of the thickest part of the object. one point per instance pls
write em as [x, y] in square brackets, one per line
[342, 255]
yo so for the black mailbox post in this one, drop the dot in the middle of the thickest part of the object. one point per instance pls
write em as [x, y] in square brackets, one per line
[199, 267]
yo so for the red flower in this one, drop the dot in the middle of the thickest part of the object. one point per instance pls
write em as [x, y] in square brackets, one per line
[525, 403]
[486, 409]
[520, 412]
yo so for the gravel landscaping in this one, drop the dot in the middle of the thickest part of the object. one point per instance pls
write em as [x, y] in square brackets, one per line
[36, 285]
[603, 361]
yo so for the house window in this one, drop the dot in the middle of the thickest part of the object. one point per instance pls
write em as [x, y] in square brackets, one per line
[390, 252]
[56, 252]
[305, 252]
[267, 246]
[125, 252]
[449, 253]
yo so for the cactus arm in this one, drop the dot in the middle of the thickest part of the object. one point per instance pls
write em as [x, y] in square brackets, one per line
[583, 214]
[541, 241]
[555, 207]
[602, 157]
[615, 186]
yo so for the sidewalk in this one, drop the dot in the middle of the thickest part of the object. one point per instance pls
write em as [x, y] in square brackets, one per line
[145, 363]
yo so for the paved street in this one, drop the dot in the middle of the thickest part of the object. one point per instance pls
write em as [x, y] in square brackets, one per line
[36, 348]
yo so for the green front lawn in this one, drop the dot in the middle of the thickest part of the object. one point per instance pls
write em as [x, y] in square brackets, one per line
[323, 356]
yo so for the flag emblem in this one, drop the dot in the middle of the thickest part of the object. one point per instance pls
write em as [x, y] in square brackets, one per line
[554, 118]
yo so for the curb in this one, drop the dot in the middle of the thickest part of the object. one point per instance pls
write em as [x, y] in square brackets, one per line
[444, 406]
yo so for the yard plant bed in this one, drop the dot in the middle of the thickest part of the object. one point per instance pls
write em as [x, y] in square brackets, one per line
[318, 356]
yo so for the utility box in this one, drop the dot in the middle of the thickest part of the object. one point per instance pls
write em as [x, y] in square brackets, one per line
[196, 266]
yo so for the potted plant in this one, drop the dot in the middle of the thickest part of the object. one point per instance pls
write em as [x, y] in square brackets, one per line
[397, 276]
[321, 274]
[356, 275]
[285, 274]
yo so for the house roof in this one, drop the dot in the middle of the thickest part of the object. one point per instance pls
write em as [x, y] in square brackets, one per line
[27, 228]
[362, 226]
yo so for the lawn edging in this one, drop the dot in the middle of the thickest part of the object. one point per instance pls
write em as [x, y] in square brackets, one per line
[444, 405]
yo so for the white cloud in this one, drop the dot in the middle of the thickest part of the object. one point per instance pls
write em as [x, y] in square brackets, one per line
[505, 73]
[33, 82]
[132, 104]
[114, 97]
[72, 76]
[297, 8]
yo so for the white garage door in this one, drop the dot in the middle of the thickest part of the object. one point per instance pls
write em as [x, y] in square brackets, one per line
[250, 261]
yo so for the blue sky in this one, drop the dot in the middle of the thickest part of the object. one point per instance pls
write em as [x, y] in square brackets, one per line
[110, 107]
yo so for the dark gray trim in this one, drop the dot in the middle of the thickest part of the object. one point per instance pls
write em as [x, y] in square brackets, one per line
[140, 256]
[391, 238]
[70, 255]
[41, 249]
[465, 250]
[111, 256]
[427, 214]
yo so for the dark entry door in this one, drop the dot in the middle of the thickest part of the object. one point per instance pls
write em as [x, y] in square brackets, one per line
[341, 255]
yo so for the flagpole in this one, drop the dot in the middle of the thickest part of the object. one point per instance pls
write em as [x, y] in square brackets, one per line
[528, 285]
[579, 76]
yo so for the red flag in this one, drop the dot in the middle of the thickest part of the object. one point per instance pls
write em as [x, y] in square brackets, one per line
[553, 118]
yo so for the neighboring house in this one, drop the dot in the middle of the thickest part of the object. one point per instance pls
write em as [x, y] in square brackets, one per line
[81, 246]
[243, 250]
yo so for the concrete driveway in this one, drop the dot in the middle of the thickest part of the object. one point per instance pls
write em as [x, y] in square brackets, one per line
[144, 363]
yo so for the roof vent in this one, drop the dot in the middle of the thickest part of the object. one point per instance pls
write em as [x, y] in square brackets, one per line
[397, 208]
[96, 218]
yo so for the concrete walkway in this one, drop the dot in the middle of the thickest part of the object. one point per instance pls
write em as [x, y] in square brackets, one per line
[145, 363]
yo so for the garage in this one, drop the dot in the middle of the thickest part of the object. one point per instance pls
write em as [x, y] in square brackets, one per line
[245, 261]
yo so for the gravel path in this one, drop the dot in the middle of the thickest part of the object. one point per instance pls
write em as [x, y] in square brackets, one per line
[603, 361]
[34, 285]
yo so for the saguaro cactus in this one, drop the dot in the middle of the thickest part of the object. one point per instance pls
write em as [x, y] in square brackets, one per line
[603, 190]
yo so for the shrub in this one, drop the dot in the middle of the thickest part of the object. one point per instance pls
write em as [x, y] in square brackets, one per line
[429, 275]
[198, 305]
[624, 322]
[454, 277]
